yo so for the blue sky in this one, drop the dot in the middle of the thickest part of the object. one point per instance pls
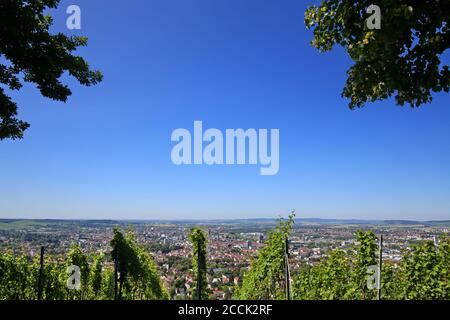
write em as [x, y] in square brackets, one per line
[232, 64]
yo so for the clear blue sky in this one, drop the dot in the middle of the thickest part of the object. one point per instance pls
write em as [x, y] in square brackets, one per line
[231, 64]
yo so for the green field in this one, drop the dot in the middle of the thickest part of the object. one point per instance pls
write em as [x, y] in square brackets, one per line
[21, 224]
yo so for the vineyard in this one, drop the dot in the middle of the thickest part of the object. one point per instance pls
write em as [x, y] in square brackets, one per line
[129, 272]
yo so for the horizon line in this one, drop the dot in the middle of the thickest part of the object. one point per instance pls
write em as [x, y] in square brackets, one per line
[220, 219]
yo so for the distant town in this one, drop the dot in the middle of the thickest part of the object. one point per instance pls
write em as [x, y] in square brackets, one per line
[232, 244]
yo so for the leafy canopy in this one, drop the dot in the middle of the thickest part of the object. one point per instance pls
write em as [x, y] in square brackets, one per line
[198, 239]
[266, 277]
[138, 276]
[402, 59]
[340, 275]
[28, 52]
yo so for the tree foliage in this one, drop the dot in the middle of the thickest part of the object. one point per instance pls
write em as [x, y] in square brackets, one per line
[32, 54]
[341, 275]
[403, 58]
[422, 274]
[19, 274]
[199, 241]
[138, 277]
[15, 282]
[329, 280]
[76, 257]
[266, 277]
[19, 278]
[366, 247]
[95, 276]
